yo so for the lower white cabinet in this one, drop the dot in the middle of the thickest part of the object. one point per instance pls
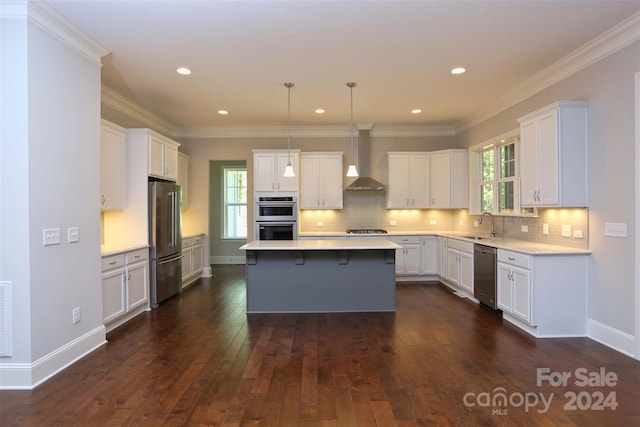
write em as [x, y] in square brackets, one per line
[460, 264]
[125, 286]
[407, 257]
[514, 284]
[428, 255]
[191, 259]
[441, 256]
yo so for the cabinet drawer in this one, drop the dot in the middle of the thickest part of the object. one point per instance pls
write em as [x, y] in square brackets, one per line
[460, 245]
[112, 261]
[137, 255]
[197, 240]
[404, 240]
[187, 243]
[514, 258]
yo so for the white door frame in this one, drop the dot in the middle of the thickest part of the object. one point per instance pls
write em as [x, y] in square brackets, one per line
[637, 216]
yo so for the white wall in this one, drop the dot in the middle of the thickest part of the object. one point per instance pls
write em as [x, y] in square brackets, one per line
[608, 86]
[51, 174]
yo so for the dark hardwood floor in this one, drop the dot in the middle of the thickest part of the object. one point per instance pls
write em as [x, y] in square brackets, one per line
[199, 360]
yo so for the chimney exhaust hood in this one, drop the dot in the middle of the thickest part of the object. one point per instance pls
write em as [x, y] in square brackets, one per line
[364, 182]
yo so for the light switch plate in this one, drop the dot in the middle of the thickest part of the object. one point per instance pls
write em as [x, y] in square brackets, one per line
[73, 234]
[566, 230]
[51, 236]
[615, 229]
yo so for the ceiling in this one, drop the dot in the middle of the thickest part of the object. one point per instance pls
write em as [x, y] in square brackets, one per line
[400, 53]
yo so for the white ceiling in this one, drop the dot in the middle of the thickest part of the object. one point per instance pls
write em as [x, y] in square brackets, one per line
[399, 53]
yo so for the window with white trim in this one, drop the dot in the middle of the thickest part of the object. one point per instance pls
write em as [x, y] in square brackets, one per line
[234, 182]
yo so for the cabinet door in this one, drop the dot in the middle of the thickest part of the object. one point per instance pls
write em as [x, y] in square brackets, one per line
[548, 159]
[264, 172]
[183, 178]
[156, 156]
[330, 176]
[453, 266]
[287, 183]
[400, 261]
[196, 259]
[420, 181]
[428, 255]
[398, 181]
[528, 163]
[171, 161]
[137, 285]
[412, 259]
[310, 182]
[187, 264]
[113, 294]
[505, 288]
[112, 167]
[441, 180]
[441, 256]
[466, 272]
[521, 293]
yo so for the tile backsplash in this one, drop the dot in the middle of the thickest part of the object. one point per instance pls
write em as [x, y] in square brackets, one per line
[367, 209]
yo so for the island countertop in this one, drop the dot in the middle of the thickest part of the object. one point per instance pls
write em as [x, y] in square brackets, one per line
[318, 245]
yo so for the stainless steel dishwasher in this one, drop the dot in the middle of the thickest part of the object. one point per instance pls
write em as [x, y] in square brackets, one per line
[484, 275]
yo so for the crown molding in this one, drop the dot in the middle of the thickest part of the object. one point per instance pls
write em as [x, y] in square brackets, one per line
[113, 99]
[609, 42]
[409, 131]
[47, 18]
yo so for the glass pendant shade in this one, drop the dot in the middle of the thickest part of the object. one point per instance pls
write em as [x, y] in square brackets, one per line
[288, 171]
[352, 171]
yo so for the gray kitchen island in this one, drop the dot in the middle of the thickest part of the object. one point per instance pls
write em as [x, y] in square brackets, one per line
[316, 276]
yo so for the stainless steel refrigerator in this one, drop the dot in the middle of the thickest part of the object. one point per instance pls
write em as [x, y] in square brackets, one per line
[165, 240]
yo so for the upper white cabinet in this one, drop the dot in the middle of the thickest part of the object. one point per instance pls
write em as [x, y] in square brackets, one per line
[449, 179]
[112, 166]
[553, 155]
[183, 178]
[268, 170]
[321, 181]
[162, 153]
[408, 184]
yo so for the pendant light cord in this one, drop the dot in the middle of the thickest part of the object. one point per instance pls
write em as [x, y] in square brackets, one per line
[289, 85]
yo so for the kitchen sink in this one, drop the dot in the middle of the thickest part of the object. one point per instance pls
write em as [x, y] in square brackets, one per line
[475, 237]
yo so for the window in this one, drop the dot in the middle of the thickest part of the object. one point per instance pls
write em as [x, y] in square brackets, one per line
[498, 179]
[234, 181]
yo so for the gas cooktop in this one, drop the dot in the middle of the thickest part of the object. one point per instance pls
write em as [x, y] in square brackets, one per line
[366, 231]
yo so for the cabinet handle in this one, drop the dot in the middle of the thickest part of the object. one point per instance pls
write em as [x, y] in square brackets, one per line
[112, 263]
[278, 186]
[412, 202]
[511, 259]
[433, 201]
[102, 199]
[129, 277]
[407, 202]
[273, 186]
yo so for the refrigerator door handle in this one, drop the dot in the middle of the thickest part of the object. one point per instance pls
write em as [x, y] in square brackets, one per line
[166, 261]
[172, 219]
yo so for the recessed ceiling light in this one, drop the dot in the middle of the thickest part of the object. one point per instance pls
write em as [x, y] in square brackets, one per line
[416, 111]
[223, 112]
[184, 71]
[319, 110]
[458, 70]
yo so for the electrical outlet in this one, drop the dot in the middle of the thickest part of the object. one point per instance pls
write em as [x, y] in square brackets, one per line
[566, 230]
[577, 234]
[524, 228]
[393, 222]
[545, 229]
[615, 229]
[73, 234]
[475, 224]
[432, 222]
[76, 315]
[320, 223]
[51, 236]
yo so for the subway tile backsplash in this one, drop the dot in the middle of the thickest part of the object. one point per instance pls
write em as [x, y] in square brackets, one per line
[367, 209]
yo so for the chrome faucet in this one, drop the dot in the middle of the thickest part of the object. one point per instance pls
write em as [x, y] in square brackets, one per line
[493, 227]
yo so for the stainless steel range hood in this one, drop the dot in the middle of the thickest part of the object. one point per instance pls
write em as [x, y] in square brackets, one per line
[364, 182]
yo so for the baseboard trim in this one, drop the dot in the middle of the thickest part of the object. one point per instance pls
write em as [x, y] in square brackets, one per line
[611, 337]
[227, 260]
[27, 376]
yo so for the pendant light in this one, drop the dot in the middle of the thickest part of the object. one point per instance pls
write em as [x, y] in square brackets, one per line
[288, 170]
[352, 171]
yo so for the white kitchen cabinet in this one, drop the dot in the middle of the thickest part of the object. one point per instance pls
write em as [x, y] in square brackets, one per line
[183, 178]
[113, 141]
[441, 257]
[408, 184]
[407, 257]
[125, 286]
[553, 156]
[460, 264]
[514, 284]
[268, 170]
[162, 152]
[449, 179]
[192, 265]
[321, 181]
[428, 255]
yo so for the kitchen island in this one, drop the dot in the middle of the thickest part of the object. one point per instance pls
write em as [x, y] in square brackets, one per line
[316, 276]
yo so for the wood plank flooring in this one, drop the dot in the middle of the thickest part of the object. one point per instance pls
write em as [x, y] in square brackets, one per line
[200, 360]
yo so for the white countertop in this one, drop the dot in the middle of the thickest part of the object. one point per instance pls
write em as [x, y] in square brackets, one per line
[107, 250]
[318, 245]
[516, 245]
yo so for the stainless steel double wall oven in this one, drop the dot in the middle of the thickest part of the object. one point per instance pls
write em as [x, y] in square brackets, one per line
[276, 218]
